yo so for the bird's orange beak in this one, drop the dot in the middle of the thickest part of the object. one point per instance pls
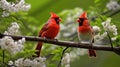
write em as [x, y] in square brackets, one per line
[78, 20]
[60, 19]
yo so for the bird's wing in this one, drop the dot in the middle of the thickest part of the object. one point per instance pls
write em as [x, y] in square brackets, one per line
[44, 28]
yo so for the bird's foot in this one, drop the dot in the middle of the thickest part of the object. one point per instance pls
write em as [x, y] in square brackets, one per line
[91, 45]
[56, 40]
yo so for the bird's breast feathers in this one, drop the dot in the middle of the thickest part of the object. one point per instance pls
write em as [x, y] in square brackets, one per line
[85, 34]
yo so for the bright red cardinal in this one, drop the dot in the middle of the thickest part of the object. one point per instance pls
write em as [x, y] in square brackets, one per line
[49, 30]
[85, 33]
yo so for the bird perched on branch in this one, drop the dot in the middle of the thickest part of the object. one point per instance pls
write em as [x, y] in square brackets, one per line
[85, 33]
[49, 30]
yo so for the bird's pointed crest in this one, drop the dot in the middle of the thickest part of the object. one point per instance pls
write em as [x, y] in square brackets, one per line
[53, 15]
[83, 15]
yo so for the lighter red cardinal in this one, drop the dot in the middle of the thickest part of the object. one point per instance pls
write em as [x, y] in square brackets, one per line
[49, 30]
[85, 33]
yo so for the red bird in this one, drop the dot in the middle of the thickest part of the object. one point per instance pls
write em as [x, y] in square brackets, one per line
[85, 33]
[49, 30]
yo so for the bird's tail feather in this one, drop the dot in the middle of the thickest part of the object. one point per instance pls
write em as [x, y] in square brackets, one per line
[92, 53]
[38, 48]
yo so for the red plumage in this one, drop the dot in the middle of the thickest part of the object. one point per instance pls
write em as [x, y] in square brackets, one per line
[85, 33]
[49, 30]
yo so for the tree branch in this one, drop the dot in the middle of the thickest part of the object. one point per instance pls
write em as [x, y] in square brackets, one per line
[66, 43]
[112, 13]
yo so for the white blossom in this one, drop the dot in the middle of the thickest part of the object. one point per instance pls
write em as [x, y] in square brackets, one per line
[103, 35]
[113, 38]
[96, 29]
[68, 65]
[108, 27]
[10, 63]
[40, 62]
[5, 14]
[19, 62]
[26, 7]
[13, 7]
[99, 36]
[13, 29]
[25, 62]
[106, 24]
[115, 33]
[69, 19]
[113, 5]
[66, 60]
[8, 44]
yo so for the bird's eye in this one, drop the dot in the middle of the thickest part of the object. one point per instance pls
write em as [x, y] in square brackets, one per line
[81, 19]
[57, 19]
[78, 20]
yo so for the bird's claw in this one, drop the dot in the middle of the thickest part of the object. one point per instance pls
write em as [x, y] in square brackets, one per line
[91, 45]
[56, 40]
[79, 43]
[44, 38]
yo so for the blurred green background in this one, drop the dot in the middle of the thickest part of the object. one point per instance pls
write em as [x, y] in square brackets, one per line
[40, 11]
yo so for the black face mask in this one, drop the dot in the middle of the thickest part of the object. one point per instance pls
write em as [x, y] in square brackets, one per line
[81, 21]
[57, 20]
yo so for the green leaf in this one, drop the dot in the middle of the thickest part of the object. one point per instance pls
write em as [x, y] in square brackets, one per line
[96, 1]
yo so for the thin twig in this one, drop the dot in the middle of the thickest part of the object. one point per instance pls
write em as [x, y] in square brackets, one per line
[103, 13]
[114, 13]
[4, 59]
[59, 64]
[110, 39]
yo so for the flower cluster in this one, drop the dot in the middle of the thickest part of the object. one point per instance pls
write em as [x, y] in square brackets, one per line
[22, 62]
[5, 14]
[66, 60]
[7, 43]
[13, 7]
[13, 30]
[108, 28]
[113, 5]
[96, 29]
[71, 56]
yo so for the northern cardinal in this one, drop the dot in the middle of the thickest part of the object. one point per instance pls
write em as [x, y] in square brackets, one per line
[49, 30]
[85, 33]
